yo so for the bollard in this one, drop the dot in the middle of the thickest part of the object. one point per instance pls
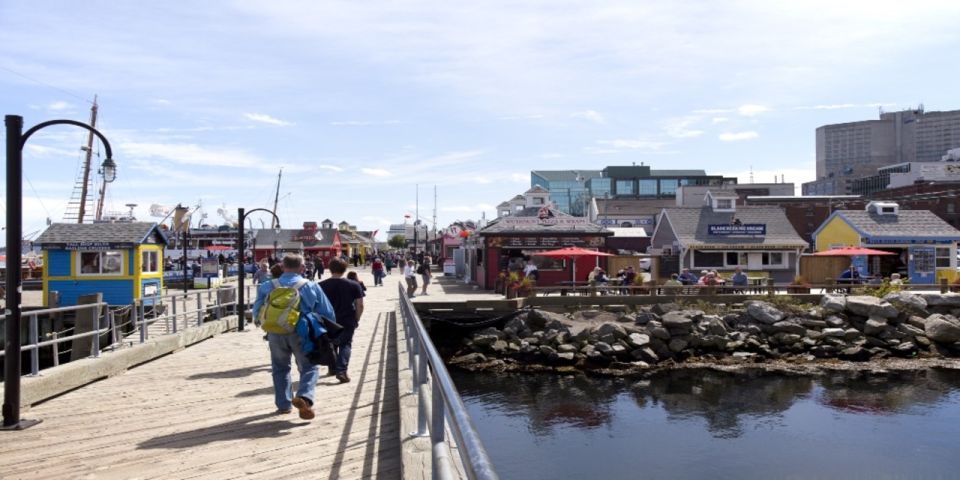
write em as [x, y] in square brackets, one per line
[943, 285]
[173, 305]
[217, 306]
[34, 340]
[56, 348]
[113, 330]
[95, 343]
[143, 322]
[199, 310]
[771, 290]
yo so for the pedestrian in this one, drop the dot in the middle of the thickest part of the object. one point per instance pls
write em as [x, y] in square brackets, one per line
[410, 276]
[319, 266]
[377, 268]
[276, 270]
[347, 299]
[276, 300]
[351, 275]
[390, 262]
[309, 269]
[424, 272]
[262, 273]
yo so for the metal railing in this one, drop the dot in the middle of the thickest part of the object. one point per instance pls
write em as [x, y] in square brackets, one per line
[175, 311]
[446, 407]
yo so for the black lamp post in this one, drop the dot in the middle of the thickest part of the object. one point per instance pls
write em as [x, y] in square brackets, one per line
[16, 139]
[242, 243]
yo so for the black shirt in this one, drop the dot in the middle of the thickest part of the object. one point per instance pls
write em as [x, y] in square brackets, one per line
[342, 293]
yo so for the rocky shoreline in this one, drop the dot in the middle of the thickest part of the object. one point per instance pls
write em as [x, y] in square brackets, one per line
[901, 331]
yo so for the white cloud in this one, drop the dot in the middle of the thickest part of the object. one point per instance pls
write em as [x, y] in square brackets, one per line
[750, 110]
[192, 154]
[738, 136]
[632, 144]
[376, 172]
[264, 118]
[591, 116]
[160, 101]
[716, 120]
[332, 168]
[681, 127]
[60, 106]
[520, 177]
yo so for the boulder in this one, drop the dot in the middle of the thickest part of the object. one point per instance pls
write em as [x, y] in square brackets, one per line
[678, 320]
[468, 359]
[855, 353]
[875, 325]
[677, 345]
[646, 354]
[812, 323]
[662, 308]
[603, 347]
[485, 339]
[908, 329]
[764, 312]
[835, 322]
[659, 332]
[941, 299]
[614, 329]
[515, 325]
[566, 347]
[907, 299]
[548, 352]
[499, 346]
[566, 356]
[644, 318]
[867, 306]
[941, 330]
[538, 319]
[788, 326]
[713, 325]
[637, 340]
[833, 303]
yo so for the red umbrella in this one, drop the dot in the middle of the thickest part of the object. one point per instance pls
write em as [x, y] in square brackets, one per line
[572, 253]
[851, 252]
[218, 247]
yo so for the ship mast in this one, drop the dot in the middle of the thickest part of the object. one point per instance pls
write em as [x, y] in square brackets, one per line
[86, 166]
[276, 198]
[103, 185]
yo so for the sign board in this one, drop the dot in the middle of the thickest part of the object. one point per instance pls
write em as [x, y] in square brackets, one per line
[620, 221]
[151, 290]
[744, 229]
[552, 242]
[210, 267]
[909, 241]
[549, 221]
[90, 246]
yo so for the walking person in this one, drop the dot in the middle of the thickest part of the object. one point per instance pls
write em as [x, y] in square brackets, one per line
[352, 275]
[377, 268]
[411, 277]
[278, 301]
[319, 265]
[424, 272]
[347, 299]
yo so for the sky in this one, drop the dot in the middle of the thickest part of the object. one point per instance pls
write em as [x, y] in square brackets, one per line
[359, 102]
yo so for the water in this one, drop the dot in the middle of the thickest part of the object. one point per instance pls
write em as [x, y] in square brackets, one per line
[702, 424]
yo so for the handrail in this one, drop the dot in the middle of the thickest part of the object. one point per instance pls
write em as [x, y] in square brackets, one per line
[447, 406]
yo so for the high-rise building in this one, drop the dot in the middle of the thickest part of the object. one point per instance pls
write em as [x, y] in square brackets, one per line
[572, 190]
[849, 151]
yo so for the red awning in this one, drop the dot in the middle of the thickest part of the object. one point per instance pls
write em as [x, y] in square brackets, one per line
[851, 252]
[218, 247]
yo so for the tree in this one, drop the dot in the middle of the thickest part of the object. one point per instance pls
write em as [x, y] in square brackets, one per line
[398, 241]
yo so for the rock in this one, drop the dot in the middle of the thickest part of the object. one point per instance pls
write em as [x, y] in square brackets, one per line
[659, 332]
[677, 345]
[646, 354]
[785, 338]
[662, 308]
[644, 318]
[941, 299]
[906, 348]
[637, 340]
[833, 332]
[531, 340]
[603, 347]
[910, 329]
[469, 359]
[548, 352]
[811, 323]
[907, 299]
[764, 312]
[713, 325]
[787, 326]
[835, 322]
[619, 350]
[852, 334]
[515, 325]
[823, 351]
[743, 355]
[677, 320]
[566, 356]
[627, 318]
[499, 346]
[608, 338]
[566, 347]
[484, 339]
[867, 306]
[614, 329]
[940, 330]
[538, 319]
[875, 325]
[856, 354]
[832, 303]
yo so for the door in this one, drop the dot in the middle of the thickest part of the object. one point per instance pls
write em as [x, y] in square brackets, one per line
[754, 261]
[922, 265]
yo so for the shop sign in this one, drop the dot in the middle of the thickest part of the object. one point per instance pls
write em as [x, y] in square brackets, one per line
[151, 290]
[733, 229]
[617, 222]
[532, 242]
[909, 241]
[546, 222]
[89, 246]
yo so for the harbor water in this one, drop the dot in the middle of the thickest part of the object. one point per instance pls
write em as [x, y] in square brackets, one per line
[707, 424]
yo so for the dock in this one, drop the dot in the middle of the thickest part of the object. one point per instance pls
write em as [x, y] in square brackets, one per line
[207, 411]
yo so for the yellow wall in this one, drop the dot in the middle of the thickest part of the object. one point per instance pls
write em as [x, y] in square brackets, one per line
[836, 232]
[138, 275]
[949, 273]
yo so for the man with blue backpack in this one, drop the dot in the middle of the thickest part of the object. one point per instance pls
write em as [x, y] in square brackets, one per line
[289, 309]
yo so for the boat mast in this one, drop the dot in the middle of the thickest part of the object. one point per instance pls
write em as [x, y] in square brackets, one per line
[276, 198]
[86, 165]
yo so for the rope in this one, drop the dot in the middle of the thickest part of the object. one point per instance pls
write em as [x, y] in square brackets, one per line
[478, 324]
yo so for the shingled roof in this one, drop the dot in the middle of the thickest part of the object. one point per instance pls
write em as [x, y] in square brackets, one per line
[920, 223]
[296, 238]
[509, 224]
[691, 227]
[120, 234]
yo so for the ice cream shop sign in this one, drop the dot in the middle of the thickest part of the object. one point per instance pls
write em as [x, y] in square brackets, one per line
[735, 229]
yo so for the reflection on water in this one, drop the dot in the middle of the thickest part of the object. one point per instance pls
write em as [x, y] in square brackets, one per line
[696, 423]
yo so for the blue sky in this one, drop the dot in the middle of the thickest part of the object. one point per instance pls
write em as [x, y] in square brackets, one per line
[360, 101]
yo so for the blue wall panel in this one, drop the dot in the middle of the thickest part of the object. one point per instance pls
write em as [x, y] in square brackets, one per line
[58, 263]
[115, 292]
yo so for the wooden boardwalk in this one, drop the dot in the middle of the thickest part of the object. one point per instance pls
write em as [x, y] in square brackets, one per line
[207, 412]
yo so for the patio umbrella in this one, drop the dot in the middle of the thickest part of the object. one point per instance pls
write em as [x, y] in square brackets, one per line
[572, 253]
[218, 247]
[851, 252]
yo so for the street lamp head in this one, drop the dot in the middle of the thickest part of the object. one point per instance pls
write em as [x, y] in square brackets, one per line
[109, 170]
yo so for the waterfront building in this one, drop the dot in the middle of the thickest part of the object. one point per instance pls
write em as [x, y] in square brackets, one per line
[926, 246]
[722, 236]
[571, 191]
[505, 243]
[310, 240]
[123, 261]
[848, 151]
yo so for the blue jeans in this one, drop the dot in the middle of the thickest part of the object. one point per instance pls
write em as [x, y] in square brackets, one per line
[281, 347]
[344, 343]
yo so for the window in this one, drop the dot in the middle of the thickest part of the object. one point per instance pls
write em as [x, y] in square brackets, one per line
[538, 201]
[624, 187]
[626, 225]
[724, 204]
[772, 258]
[943, 257]
[736, 259]
[648, 188]
[668, 187]
[707, 259]
[149, 261]
[101, 263]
